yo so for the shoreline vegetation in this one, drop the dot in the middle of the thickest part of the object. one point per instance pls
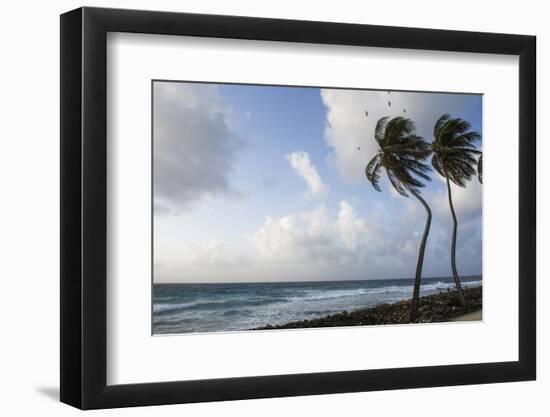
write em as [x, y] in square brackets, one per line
[436, 308]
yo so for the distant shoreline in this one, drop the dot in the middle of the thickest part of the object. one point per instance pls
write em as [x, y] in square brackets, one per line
[437, 308]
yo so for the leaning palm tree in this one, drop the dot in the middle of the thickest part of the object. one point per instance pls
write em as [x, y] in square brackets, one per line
[402, 154]
[454, 159]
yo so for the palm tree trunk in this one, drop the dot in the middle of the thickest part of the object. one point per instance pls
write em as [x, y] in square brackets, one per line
[461, 297]
[420, 262]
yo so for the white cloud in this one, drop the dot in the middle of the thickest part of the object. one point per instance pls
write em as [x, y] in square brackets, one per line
[297, 238]
[197, 151]
[194, 146]
[314, 236]
[325, 244]
[467, 201]
[349, 130]
[301, 163]
[214, 253]
[353, 230]
[349, 133]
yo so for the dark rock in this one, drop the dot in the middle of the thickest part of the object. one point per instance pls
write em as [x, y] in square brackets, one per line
[431, 309]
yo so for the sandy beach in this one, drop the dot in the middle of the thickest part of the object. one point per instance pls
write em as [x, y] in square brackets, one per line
[473, 316]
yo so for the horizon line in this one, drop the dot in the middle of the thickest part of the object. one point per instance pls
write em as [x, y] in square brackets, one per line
[302, 282]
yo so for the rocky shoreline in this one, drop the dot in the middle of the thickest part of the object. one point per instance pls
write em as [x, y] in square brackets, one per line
[435, 308]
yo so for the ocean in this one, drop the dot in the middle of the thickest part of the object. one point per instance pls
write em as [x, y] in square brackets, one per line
[200, 308]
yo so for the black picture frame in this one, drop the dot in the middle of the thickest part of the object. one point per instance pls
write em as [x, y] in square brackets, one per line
[84, 207]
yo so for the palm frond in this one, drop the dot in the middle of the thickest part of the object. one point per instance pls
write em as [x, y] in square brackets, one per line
[454, 149]
[371, 171]
[397, 129]
[402, 155]
[443, 119]
[451, 129]
[396, 183]
[480, 169]
[380, 129]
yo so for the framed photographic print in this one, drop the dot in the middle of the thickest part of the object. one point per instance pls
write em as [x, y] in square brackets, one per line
[258, 207]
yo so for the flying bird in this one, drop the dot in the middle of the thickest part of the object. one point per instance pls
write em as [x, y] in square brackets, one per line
[366, 113]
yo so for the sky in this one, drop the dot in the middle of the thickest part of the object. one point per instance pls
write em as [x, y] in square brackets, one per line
[267, 183]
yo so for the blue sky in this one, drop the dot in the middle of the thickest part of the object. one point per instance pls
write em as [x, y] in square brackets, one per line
[260, 183]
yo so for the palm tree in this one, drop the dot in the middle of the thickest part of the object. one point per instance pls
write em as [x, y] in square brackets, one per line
[401, 155]
[454, 159]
